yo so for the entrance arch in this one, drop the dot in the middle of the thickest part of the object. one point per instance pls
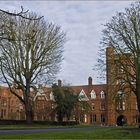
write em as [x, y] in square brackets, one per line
[121, 120]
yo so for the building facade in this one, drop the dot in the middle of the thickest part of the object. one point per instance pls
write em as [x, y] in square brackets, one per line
[109, 104]
[121, 101]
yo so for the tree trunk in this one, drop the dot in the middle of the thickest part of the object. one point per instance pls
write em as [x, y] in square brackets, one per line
[60, 117]
[28, 106]
[29, 113]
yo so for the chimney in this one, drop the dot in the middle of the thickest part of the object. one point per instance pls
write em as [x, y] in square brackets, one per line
[59, 83]
[90, 81]
[109, 53]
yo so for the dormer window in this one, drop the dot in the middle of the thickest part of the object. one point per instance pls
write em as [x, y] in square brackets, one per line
[102, 95]
[93, 94]
[83, 96]
[51, 96]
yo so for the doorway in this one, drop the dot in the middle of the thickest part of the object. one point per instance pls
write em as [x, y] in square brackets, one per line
[121, 120]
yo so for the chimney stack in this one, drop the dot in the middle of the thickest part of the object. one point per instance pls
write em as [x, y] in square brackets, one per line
[59, 83]
[90, 81]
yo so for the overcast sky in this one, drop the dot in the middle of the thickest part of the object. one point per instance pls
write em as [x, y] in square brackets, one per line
[82, 21]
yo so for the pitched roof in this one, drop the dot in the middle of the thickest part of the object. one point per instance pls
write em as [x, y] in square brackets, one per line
[87, 89]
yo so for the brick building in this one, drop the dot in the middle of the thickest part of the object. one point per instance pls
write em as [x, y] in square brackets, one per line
[121, 101]
[94, 95]
[10, 106]
[104, 109]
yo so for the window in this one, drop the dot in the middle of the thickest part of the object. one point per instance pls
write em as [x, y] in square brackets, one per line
[73, 117]
[3, 103]
[102, 95]
[52, 106]
[121, 69]
[85, 117]
[94, 117]
[102, 118]
[93, 106]
[136, 106]
[82, 118]
[137, 119]
[102, 107]
[93, 94]
[120, 103]
[1, 113]
[121, 106]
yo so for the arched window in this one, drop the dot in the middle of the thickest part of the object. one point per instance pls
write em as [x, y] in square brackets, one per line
[93, 94]
[102, 95]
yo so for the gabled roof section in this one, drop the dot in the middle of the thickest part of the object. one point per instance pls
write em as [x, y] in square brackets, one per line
[40, 93]
[83, 96]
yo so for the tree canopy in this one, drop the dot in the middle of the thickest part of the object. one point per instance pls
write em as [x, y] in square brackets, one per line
[30, 53]
[65, 101]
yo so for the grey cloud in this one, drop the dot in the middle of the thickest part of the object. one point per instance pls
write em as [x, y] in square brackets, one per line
[82, 21]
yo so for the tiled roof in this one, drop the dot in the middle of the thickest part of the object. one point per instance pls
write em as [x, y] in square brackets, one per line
[87, 89]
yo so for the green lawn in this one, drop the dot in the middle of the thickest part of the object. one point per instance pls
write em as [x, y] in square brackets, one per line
[37, 126]
[98, 133]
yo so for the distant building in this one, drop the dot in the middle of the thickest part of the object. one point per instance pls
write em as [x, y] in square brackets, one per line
[104, 108]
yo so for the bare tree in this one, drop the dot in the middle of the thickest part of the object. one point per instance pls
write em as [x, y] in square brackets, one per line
[30, 54]
[122, 34]
[21, 13]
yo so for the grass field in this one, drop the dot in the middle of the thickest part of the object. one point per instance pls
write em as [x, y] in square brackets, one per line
[97, 133]
[38, 126]
[33, 126]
